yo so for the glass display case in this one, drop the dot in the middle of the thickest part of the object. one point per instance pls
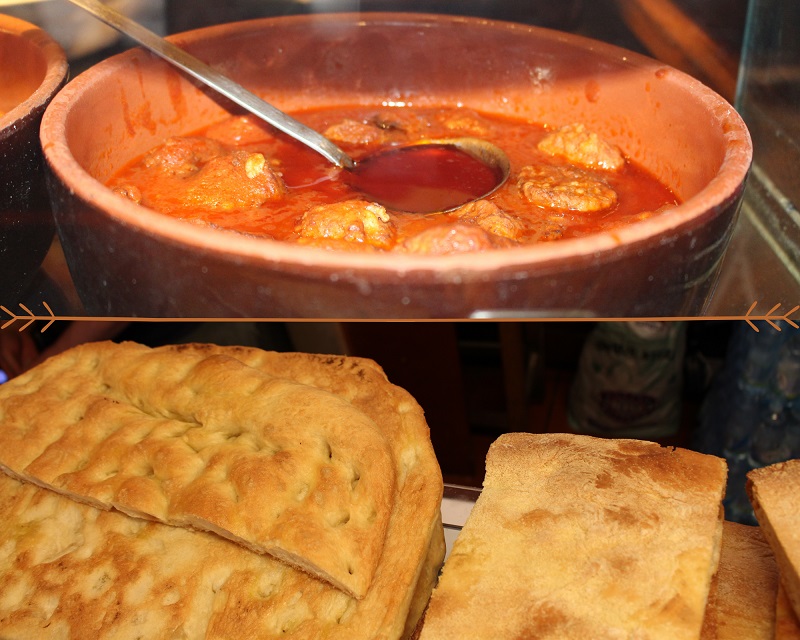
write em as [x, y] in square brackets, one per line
[741, 50]
[763, 258]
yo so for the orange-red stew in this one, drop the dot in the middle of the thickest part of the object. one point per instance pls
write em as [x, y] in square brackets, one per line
[242, 175]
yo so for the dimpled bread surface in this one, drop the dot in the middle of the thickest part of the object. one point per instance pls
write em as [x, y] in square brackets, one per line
[201, 439]
[576, 537]
[139, 560]
[69, 570]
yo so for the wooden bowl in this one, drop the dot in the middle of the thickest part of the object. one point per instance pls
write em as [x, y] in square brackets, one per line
[128, 260]
[33, 68]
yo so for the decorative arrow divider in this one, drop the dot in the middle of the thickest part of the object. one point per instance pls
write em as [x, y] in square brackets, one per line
[30, 318]
[772, 317]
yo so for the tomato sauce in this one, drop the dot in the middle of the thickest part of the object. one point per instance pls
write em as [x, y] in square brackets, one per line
[311, 181]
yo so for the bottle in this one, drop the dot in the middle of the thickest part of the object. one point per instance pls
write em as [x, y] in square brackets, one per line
[629, 380]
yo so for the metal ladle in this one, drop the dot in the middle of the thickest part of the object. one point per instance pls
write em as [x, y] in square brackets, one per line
[486, 153]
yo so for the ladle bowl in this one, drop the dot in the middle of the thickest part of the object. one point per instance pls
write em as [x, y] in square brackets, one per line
[129, 260]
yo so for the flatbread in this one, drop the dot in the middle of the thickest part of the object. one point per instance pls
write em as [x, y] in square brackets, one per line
[743, 606]
[69, 570]
[205, 441]
[576, 537]
[412, 553]
[774, 492]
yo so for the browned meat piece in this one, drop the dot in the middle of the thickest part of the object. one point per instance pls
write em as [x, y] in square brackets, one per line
[355, 221]
[402, 123]
[491, 218]
[464, 123]
[455, 238]
[386, 127]
[359, 133]
[235, 181]
[583, 147]
[183, 156]
[565, 189]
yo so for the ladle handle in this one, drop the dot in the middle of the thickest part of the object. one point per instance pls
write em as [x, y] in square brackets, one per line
[220, 83]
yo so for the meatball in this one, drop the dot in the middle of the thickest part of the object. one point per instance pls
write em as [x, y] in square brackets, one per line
[386, 127]
[355, 132]
[491, 218]
[580, 146]
[464, 123]
[565, 188]
[356, 221]
[455, 238]
[182, 156]
[235, 181]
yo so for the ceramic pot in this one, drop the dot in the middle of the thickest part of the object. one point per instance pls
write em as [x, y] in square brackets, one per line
[33, 68]
[128, 260]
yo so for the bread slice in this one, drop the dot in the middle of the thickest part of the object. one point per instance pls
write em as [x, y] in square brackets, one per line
[205, 441]
[411, 554]
[577, 537]
[746, 586]
[69, 570]
[774, 492]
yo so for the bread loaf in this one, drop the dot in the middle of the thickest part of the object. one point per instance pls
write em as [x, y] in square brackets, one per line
[69, 570]
[349, 391]
[774, 492]
[576, 537]
[205, 441]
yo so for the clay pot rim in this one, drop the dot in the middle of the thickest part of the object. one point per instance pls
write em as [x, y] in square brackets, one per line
[57, 69]
[715, 196]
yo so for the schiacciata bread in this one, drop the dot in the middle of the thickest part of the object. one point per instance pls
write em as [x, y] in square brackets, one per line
[576, 537]
[69, 570]
[774, 492]
[206, 441]
[411, 551]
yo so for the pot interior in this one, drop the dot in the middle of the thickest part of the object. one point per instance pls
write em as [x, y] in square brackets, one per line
[656, 115]
[23, 67]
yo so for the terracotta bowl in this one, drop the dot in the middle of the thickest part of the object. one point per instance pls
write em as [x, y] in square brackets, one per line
[33, 68]
[127, 260]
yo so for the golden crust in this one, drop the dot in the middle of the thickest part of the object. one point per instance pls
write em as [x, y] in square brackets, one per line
[414, 520]
[774, 492]
[70, 570]
[206, 441]
[743, 607]
[581, 537]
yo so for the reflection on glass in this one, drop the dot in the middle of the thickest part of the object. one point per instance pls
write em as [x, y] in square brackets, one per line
[768, 99]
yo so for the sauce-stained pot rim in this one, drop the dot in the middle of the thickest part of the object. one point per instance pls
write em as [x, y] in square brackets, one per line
[717, 195]
[57, 69]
